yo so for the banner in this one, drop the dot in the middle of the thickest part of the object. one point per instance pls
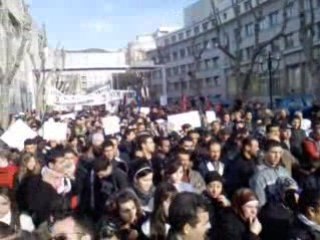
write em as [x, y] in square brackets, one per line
[211, 116]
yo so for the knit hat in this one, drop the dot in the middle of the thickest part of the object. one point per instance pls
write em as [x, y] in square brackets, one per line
[285, 183]
[213, 177]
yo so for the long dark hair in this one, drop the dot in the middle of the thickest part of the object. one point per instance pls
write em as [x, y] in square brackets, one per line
[158, 219]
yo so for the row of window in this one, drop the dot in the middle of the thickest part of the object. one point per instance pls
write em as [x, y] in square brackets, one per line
[205, 64]
[266, 22]
[200, 83]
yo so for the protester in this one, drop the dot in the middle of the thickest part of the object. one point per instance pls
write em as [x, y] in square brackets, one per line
[241, 221]
[188, 217]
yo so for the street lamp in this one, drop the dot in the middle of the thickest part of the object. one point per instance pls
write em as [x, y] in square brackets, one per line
[270, 64]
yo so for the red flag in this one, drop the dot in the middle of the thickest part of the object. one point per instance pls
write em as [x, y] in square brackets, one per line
[184, 103]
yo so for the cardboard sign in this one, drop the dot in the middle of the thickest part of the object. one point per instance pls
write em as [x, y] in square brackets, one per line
[17, 133]
[211, 116]
[54, 131]
[111, 125]
[178, 120]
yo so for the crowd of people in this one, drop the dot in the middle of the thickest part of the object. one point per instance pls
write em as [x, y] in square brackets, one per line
[250, 174]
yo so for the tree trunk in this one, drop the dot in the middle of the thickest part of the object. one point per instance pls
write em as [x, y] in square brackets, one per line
[4, 106]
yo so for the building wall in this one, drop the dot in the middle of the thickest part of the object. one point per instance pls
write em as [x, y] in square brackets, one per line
[215, 76]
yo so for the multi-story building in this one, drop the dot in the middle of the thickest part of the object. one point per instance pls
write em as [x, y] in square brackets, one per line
[196, 64]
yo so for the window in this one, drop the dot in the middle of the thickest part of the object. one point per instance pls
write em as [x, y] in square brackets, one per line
[196, 30]
[289, 41]
[225, 16]
[290, 9]
[237, 34]
[188, 33]
[237, 9]
[207, 64]
[168, 72]
[181, 36]
[214, 42]
[205, 26]
[273, 18]
[215, 62]
[249, 51]
[216, 81]
[239, 54]
[318, 3]
[307, 4]
[173, 39]
[182, 53]
[206, 44]
[176, 86]
[247, 5]
[275, 46]
[263, 24]
[208, 81]
[175, 71]
[318, 29]
[174, 56]
[166, 41]
[189, 51]
[249, 28]
[183, 68]
[213, 23]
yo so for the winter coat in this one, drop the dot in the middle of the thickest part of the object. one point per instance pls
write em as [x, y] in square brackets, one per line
[303, 229]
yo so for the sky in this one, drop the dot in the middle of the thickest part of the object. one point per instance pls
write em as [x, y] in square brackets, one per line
[107, 24]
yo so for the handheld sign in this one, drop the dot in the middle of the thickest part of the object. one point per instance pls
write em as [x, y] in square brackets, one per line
[111, 125]
[55, 131]
[178, 120]
[211, 116]
[17, 133]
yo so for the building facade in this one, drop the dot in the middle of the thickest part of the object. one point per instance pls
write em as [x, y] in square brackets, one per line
[196, 64]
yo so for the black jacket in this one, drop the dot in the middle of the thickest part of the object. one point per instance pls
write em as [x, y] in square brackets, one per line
[99, 190]
[276, 220]
[232, 227]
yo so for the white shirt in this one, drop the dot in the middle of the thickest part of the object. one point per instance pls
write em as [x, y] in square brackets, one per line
[26, 222]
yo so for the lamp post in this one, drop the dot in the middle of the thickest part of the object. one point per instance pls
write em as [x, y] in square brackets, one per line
[270, 64]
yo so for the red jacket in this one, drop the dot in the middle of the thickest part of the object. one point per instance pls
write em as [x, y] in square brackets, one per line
[312, 149]
[7, 176]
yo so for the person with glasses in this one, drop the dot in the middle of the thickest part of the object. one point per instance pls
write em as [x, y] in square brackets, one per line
[71, 228]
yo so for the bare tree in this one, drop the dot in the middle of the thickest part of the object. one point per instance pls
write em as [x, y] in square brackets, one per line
[14, 30]
[306, 37]
[243, 72]
[198, 45]
[44, 76]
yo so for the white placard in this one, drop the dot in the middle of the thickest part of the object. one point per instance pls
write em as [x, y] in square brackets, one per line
[163, 101]
[68, 116]
[17, 133]
[178, 120]
[111, 125]
[305, 124]
[54, 131]
[145, 110]
[211, 116]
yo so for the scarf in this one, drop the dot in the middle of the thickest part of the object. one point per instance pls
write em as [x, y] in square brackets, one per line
[57, 180]
[312, 225]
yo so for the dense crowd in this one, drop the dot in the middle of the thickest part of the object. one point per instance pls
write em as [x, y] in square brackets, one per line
[250, 174]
